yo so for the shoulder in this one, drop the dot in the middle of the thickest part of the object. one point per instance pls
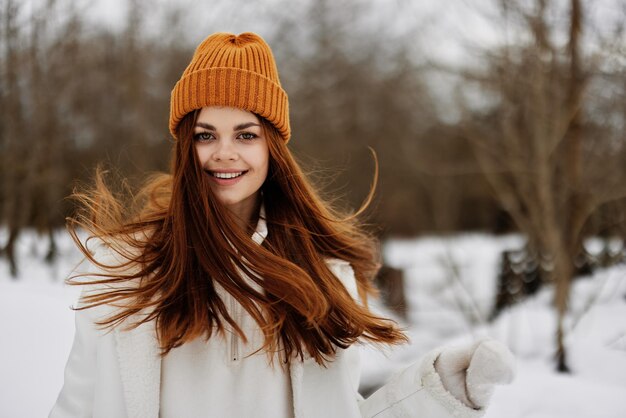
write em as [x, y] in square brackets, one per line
[339, 266]
[343, 270]
[104, 272]
[105, 262]
[115, 255]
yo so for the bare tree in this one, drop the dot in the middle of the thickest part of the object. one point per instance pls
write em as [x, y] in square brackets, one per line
[73, 94]
[13, 125]
[547, 169]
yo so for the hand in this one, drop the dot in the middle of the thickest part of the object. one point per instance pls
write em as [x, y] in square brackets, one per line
[470, 372]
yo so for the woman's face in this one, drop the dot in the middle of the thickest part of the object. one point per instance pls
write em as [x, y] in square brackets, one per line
[233, 151]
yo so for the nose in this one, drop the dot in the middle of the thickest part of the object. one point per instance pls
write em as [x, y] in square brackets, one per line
[225, 150]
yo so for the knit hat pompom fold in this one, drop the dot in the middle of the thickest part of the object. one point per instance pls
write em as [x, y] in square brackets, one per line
[236, 71]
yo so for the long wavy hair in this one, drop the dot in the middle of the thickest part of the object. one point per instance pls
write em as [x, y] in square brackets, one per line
[171, 246]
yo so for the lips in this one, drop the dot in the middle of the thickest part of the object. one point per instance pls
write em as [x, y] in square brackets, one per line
[227, 174]
[228, 177]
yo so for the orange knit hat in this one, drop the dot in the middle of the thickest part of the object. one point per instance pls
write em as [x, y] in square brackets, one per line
[232, 70]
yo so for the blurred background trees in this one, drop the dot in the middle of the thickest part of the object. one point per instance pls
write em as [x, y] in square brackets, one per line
[549, 152]
[525, 132]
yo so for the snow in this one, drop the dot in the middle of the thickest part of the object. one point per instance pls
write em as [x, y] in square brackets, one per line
[37, 331]
[440, 269]
[451, 284]
[36, 326]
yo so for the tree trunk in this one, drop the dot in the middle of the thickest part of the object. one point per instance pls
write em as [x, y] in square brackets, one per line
[563, 270]
[52, 253]
[9, 251]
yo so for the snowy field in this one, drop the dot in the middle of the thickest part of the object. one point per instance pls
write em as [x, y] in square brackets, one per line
[451, 283]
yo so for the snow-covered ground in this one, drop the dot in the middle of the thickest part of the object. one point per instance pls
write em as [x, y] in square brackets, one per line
[451, 286]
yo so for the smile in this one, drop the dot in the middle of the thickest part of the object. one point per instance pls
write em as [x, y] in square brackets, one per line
[220, 175]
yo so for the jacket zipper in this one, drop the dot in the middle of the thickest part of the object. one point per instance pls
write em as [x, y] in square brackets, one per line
[234, 337]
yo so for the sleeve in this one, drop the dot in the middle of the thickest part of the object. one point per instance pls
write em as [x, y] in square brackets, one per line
[76, 396]
[417, 391]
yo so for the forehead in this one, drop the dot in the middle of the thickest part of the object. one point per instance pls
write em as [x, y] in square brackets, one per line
[224, 116]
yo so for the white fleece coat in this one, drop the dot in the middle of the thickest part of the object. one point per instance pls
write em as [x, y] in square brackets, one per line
[116, 374]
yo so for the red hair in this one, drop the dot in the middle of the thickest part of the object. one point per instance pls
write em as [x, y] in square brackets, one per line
[172, 247]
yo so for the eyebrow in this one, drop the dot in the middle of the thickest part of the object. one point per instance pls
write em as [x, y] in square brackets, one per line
[236, 128]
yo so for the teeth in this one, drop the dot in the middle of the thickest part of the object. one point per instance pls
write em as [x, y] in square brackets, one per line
[226, 175]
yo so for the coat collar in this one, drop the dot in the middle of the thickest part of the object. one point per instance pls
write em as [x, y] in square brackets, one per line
[140, 362]
[261, 227]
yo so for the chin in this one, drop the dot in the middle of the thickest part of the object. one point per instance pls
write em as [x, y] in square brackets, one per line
[232, 201]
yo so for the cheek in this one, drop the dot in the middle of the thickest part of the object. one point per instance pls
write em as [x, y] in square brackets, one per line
[258, 158]
[264, 164]
[202, 153]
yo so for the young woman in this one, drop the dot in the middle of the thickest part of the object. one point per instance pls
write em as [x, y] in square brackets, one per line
[230, 288]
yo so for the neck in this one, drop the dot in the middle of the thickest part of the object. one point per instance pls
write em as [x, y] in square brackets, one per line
[247, 217]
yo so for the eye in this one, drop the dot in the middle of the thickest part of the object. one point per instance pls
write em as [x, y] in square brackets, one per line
[203, 136]
[248, 136]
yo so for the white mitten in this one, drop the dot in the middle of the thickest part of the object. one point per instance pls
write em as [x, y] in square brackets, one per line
[469, 372]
